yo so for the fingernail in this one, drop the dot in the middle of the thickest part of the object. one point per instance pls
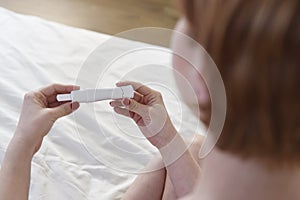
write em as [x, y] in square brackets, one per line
[126, 102]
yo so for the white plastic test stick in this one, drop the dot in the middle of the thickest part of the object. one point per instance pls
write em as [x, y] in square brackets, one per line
[92, 95]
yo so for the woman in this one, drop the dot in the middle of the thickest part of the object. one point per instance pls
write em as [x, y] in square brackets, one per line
[255, 45]
[39, 112]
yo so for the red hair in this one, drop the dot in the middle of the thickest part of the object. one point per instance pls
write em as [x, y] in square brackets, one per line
[256, 46]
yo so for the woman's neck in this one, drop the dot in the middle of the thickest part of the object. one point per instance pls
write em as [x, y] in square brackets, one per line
[227, 177]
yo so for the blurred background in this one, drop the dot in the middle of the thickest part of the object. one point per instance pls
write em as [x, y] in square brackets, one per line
[105, 16]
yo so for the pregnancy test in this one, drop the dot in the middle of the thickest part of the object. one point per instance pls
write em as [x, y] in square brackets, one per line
[92, 95]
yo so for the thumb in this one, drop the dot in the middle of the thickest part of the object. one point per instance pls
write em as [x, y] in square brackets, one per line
[65, 109]
[135, 106]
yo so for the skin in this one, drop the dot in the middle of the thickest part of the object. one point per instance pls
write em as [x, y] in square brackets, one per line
[39, 112]
[240, 179]
[183, 173]
[221, 176]
[179, 178]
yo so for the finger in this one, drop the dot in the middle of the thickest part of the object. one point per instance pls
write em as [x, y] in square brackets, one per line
[58, 89]
[52, 99]
[64, 109]
[75, 106]
[125, 112]
[116, 103]
[137, 118]
[135, 106]
[55, 104]
[138, 97]
[139, 87]
[122, 111]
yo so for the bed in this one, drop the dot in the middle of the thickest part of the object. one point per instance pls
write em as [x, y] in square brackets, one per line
[93, 153]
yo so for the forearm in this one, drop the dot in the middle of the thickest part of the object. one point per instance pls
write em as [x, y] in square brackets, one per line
[39, 111]
[181, 167]
[184, 174]
[15, 172]
[149, 185]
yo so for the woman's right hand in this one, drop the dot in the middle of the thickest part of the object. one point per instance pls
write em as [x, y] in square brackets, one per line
[147, 109]
[39, 112]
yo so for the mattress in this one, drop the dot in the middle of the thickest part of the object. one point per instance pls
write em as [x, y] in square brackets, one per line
[92, 153]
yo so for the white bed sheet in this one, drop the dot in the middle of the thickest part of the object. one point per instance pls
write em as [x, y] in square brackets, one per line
[92, 154]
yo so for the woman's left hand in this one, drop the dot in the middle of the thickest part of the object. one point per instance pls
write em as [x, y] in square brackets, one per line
[148, 111]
